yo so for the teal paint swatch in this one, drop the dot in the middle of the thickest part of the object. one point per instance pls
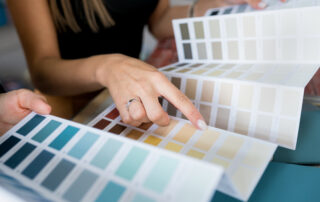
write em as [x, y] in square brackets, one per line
[58, 174]
[46, 131]
[132, 163]
[283, 182]
[142, 198]
[30, 125]
[83, 145]
[161, 173]
[111, 193]
[35, 167]
[64, 137]
[8, 144]
[80, 186]
[20, 155]
[106, 153]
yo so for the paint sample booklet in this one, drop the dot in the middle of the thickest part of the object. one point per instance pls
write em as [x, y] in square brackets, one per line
[246, 73]
[65, 161]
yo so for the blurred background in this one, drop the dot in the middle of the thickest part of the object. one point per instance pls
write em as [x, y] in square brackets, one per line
[13, 67]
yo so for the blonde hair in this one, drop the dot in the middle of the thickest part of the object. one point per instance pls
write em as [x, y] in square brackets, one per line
[92, 9]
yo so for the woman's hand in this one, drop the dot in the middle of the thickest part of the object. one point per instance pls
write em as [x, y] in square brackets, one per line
[128, 78]
[15, 105]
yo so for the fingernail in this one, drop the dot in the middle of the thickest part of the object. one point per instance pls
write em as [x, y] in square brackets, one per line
[202, 125]
[262, 5]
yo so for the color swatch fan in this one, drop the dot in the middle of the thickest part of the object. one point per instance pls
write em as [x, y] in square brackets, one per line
[246, 73]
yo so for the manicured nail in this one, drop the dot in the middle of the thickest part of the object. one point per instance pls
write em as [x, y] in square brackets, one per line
[262, 5]
[202, 125]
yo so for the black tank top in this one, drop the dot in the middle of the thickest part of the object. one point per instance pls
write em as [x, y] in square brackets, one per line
[124, 37]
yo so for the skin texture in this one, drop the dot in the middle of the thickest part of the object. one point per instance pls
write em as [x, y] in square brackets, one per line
[15, 105]
[125, 77]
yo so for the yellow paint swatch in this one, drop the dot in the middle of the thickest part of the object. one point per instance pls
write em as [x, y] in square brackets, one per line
[207, 139]
[195, 154]
[173, 147]
[257, 155]
[164, 131]
[153, 140]
[225, 164]
[200, 71]
[185, 133]
[230, 147]
[134, 134]
[216, 73]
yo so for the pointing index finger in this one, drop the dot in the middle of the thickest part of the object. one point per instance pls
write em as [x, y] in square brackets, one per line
[182, 102]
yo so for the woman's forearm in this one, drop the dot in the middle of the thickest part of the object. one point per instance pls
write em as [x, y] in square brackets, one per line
[61, 77]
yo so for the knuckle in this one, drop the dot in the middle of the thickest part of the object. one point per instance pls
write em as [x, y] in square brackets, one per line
[139, 115]
[158, 76]
[126, 119]
[157, 116]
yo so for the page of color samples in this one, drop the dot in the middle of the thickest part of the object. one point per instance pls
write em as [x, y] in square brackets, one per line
[243, 158]
[246, 73]
[66, 161]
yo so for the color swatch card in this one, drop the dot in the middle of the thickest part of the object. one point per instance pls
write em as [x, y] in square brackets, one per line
[243, 158]
[66, 161]
[246, 73]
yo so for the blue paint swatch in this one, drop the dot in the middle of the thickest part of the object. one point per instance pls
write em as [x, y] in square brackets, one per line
[30, 125]
[166, 166]
[20, 155]
[64, 138]
[106, 153]
[8, 144]
[132, 163]
[58, 174]
[83, 145]
[142, 198]
[80, 186]
[111, 193]
[35, 167]
[46, 131]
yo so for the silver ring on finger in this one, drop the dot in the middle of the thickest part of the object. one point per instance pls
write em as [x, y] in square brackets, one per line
[136, 99]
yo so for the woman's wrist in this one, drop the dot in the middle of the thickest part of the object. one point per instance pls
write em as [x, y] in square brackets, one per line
[105, 64]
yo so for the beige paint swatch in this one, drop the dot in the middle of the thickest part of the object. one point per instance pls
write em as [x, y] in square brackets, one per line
[242, 122]
[230, 147]
[207, 91]
[245, 96]
[222, 119]
[225, 94]
[185, 133]
[191, 88]
[207, 140]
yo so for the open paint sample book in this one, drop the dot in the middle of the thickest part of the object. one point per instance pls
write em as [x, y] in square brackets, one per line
[246, 74]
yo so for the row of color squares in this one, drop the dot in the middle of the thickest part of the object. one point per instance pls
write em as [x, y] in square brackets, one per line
[242, 38]
[82, 163]
[295, 75]
[241, 156]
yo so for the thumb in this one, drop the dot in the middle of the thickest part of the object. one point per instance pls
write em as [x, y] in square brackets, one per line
[33, 102]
